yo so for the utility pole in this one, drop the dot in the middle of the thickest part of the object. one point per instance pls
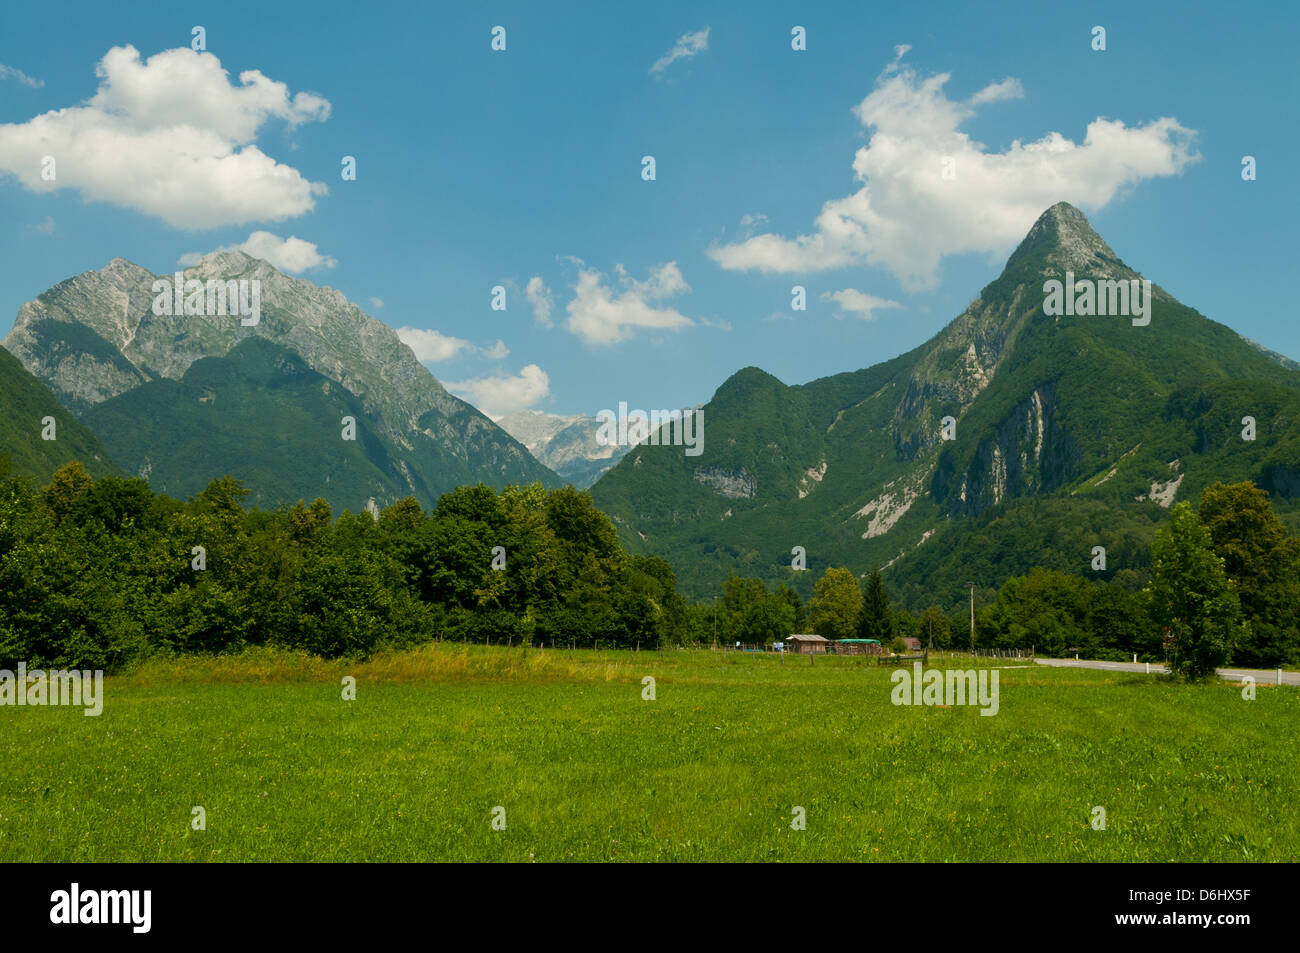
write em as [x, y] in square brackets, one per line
[971, 587]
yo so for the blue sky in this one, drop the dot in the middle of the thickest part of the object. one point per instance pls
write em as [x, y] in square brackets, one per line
[478, 168]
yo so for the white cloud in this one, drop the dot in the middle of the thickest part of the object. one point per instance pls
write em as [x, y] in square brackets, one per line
[906, 217]
[435, 347]
[290, 254]
[376, 302]
[46, 227]
[9, 72]
[601, 315]
[852, 301]
[899, 52]
[432, 346]
[687, 45]
[751, 223]
[498, 396]
[539, 296]
[1009, 88]
[170, 137]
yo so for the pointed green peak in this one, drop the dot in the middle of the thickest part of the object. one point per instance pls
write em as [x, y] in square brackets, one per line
[747, 380]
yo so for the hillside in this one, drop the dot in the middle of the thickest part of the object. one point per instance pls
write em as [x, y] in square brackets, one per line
[24, 403]
[239, 415]
[1093, 424]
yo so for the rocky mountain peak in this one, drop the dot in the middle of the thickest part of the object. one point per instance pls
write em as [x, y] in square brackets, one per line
[1063, 240]
[123, 274]
[231, 264]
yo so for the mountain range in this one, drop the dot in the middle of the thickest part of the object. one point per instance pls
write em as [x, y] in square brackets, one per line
[181, 399]
[1019, 436]
[568, 445]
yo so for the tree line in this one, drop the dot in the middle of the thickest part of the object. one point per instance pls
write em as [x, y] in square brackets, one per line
[96, 574]
[1223, 588]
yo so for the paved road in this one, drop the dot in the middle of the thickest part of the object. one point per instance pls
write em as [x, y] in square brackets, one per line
[1261, 676]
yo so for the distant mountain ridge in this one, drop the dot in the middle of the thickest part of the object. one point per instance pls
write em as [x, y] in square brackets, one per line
[566, 444]
[94, 337]
[1092, 422]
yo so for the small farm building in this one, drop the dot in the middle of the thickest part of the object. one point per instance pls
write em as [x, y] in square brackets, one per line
[806, 644]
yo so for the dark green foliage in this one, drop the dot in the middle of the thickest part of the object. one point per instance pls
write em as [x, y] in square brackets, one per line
[1058, 614]
[24, 403]
[933, 628]
[1191, 597]
[1263, 563]
[747, 613]
[836, 605]
[101, 573]
[877, 618]
[1237, 564]
[1014, 539]
[118, 504]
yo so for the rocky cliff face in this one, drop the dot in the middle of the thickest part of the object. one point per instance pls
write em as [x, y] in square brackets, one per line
[964, 358]
[1026, 453]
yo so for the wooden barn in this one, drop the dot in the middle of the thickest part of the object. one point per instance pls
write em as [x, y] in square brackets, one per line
[806, 644]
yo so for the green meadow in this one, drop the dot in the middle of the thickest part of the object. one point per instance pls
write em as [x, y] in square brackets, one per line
[586, 769]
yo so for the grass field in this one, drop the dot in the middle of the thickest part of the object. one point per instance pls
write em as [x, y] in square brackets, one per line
[587, 770]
